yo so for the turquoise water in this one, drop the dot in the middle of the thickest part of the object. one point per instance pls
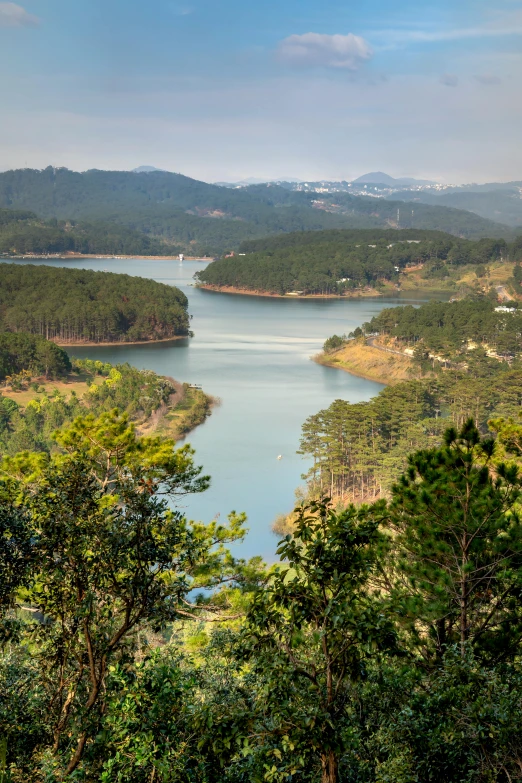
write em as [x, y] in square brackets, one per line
[253, 353]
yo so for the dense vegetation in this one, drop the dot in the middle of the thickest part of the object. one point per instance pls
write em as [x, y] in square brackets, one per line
[449, 328]
[385, 645]
[35, 354]
[74, 305]
[335, 262]
[496, 201]
[24, 233]
[137, 393]
[358, 448]
[209, 219]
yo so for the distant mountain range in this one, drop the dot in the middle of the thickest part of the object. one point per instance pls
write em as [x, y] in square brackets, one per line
[255, 181]
[380, 178]
[208, 219]
[499, 201]
[145, 170]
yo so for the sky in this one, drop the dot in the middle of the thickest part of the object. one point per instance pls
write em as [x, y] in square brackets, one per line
[229, 89]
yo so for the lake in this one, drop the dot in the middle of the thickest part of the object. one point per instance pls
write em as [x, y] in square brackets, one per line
[254, 353]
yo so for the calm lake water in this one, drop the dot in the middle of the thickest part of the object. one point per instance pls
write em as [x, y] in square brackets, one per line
[253, 353]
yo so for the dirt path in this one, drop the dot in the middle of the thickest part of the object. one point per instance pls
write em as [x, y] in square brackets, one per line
[371, 341]
[154, 420]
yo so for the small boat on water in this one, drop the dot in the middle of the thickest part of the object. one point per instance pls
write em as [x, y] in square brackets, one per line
[280, 456]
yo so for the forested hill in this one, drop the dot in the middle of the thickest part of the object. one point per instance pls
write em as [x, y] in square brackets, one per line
[208, 218]
[495, 201]
[76, 305]
[449, 328]
[337, 262]
[22, 232]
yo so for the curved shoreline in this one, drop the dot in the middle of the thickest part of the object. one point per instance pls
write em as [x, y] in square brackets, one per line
[366, 361]
[319, 359]
[225, 289]
[120, 343]
[77, 256]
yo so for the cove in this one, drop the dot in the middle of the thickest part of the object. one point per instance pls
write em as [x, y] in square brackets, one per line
[254, 354]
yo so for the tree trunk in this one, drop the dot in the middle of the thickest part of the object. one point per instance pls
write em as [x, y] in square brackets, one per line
[330, 767]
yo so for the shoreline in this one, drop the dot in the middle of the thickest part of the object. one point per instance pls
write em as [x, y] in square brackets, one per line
[78, 256]
[372, 364]
[120, 343]
[369, 293]
[320, 359]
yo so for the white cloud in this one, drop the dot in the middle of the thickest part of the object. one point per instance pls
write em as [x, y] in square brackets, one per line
[449, 80]
[329, 51]
[12, 15]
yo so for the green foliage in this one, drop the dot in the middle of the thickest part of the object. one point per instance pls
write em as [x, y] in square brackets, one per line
[457, 541]
[110, 559]
[333, 343]
[22, 351]
[137, 393]
[334, 262]
[447, 327]
[309, 636]
[358, 449]
[77, 305]
[24, 233]
[201, 217]
[460, 723]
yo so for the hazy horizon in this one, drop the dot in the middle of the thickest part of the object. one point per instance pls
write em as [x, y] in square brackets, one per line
[260, 180]
[235, 90]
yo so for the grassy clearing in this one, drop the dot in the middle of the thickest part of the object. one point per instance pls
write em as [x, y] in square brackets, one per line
[75, 382]
[177, 420]
[499, 274]
[188, 407]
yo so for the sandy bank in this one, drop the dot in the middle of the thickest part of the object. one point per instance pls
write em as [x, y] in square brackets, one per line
[373, 364]
[227, 289]
[120, 343]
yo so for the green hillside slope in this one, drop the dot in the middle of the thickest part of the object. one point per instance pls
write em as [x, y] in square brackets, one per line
[502, 203]
[79, 305]
[25, 233]
[338, 262]
[208, 218]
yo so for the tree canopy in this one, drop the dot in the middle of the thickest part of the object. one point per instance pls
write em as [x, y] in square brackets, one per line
[207, 218]
[76, 305]
[333, 262]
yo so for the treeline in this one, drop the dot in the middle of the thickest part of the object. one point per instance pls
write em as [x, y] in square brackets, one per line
[75, 306]
[384, 645]
[335, 262]
[24, 233]
[208, 219]
[32, 353]
[357, 449]
[137, 393]
[450, 328]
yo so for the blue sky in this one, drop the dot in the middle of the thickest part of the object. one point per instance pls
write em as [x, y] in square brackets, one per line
[230, 89]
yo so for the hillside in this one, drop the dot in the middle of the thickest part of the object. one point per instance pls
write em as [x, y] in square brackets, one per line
[78, 306]
[497, 201]
[23, 232]
[343, 262]
[209, 219]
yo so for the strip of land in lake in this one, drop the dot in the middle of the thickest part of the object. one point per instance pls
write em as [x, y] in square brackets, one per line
[87, 344]
[367, 292]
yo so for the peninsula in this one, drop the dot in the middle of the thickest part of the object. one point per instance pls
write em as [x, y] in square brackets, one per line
[347, 263]
[41, 388]
[82, 307]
